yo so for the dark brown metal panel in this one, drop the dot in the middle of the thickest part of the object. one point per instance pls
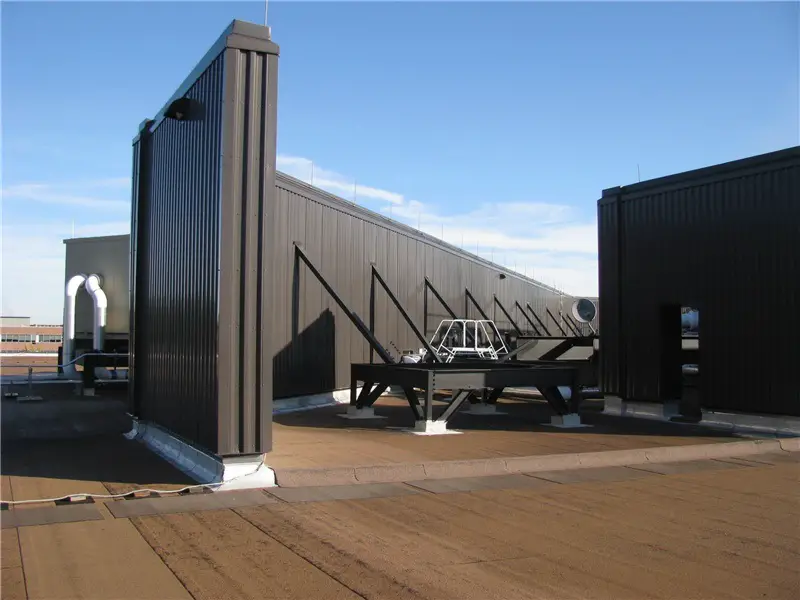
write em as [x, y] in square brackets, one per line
[176, 287]
[204, 188]
[723, 240]
[248, 297]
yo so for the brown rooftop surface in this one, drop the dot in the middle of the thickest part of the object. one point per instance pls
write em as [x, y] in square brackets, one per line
[713, 532]
[320, 438]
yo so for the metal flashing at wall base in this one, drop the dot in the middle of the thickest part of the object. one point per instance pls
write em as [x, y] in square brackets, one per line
[220, 474]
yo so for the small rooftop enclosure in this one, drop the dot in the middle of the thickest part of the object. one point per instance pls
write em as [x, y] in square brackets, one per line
[724, 240]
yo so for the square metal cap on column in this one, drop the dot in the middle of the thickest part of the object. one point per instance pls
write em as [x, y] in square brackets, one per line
[240, 35]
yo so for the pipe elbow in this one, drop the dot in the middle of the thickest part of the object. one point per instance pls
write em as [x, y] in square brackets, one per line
[74, 284]
[96, 292]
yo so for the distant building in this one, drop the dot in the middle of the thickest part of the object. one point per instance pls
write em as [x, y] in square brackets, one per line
[17, 334]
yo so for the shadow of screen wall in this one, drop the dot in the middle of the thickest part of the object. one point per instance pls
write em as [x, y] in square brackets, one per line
[723, 240]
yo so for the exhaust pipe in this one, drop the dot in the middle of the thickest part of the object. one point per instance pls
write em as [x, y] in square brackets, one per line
[68, 343]
[93, 283]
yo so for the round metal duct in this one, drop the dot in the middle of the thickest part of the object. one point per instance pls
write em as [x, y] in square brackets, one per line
[584, 310]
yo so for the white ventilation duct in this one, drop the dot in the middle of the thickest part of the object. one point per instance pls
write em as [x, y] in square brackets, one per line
[93, 283]
[68, 344]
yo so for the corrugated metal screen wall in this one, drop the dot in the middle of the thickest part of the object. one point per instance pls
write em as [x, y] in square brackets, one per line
[201, 230]
[178, 261]
[725, 241]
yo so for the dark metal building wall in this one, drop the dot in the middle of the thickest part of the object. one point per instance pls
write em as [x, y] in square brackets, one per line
[723, 240]
[314, 342]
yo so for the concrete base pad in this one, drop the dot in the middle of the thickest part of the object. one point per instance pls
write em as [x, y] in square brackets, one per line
[570, 421]
[360, 413]
[431, 428]
[483, 409]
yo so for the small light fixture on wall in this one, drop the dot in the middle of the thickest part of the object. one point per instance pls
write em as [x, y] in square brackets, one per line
[502, 275]
[183, 109]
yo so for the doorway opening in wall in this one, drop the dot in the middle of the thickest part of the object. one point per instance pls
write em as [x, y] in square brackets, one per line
[679, 360]
[690, 403]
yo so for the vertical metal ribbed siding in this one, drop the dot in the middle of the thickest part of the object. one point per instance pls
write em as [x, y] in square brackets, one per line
[723, 240]
[202, 242]
[176, 278]
[343, 240]
[247, 232]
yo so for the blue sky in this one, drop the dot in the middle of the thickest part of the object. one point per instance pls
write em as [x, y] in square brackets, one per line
[494, 125]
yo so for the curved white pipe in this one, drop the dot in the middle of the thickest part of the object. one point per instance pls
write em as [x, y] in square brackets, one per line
[68, 343]
[100, 300]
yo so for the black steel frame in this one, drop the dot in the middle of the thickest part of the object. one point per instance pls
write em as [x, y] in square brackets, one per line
[538, 320]
[464, 379]
[527, 318]
[376, 276]
[572, 325]
[375, 345]
[508, 316]
[560, 328]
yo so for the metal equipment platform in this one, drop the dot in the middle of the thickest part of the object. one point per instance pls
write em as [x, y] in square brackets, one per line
[464, 379]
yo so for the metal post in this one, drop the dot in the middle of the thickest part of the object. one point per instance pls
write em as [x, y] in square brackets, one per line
[429, 397]
[30, 381]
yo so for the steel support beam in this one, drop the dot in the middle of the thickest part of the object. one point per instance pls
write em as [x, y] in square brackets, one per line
[572, 325]
[459, 397]
[560, 349]
[527, 318]
[413, 402]
[538, 320]
[469, 297]
[403, 313]
[438, 296]
[354, 318]
[494, 395]
[369, 394]
[508, 316]
[516, 351]
[552, 316]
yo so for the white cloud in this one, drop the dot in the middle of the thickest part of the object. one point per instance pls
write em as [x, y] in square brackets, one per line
[331, 181]
[33, 265]
[76, 194]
